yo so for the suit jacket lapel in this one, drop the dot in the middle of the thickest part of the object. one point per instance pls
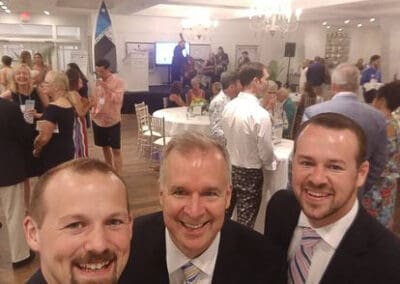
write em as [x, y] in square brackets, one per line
[353, 244]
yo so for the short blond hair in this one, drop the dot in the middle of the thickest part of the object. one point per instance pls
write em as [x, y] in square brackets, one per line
[187, 143]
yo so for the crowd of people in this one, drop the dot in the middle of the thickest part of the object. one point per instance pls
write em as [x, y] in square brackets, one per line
[333, 224]
[54, 108]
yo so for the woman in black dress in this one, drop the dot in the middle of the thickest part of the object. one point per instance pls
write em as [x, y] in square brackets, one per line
[54, 143]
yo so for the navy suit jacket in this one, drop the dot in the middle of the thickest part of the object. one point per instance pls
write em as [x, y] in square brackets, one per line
[367, 254]
[244, 256]
[372, 122]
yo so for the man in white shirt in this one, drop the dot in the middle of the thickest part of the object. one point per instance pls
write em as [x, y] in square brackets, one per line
[191, 241]
[230, 89]
[248, 132]
[329, 237]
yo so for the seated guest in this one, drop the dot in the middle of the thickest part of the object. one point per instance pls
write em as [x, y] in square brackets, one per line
[328, 235]
[79, 221]
[175, 95]
[288, 107]
[191, 241]
[380, 200]
[54, 143]
[195, 92]
[216, 87]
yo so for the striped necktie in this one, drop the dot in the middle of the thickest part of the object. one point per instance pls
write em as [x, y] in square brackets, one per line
[301, 260]
[191, 273]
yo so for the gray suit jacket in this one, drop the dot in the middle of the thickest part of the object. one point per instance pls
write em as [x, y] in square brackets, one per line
[372, 122]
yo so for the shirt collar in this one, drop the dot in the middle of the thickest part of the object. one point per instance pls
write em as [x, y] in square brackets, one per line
[332, 233]
[205, 262]
[248, 96]
[344, 94]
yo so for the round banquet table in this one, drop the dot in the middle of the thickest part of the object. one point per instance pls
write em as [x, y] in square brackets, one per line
[177, 121]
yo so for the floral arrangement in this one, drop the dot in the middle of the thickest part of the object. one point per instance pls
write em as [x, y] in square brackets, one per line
[198, 102]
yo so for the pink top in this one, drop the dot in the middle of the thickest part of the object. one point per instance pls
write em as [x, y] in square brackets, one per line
[107, 111]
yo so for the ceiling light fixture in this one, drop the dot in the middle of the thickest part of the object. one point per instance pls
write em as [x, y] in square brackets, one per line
[372, 20]
[46, 12]
[359, 25]
[1, 3]
[340, 29]
[4, 7]
[324, 23]
[272, 16]
[328, 27]
[347, 21]
[198, 25]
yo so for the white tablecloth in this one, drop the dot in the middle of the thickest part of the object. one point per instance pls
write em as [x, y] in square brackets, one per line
[275, 180]
[177, 121]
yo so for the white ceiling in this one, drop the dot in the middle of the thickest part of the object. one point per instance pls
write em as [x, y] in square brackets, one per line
[313, 10]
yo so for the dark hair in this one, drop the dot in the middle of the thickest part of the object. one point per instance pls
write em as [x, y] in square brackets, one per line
[176, 88]
[75, 66]
[391, 93]
[245, 52]
[73, 78]
[6, 60]
[278, 83]
[103, 63]
[370, 95]
[228, 78]
[338, 121]
[37, 206]
[249, 71]
[374, 57]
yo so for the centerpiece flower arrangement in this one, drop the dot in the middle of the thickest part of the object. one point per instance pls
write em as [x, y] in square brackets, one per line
[198, 102]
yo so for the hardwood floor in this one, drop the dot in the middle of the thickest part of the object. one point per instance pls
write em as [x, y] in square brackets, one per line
[143, 197]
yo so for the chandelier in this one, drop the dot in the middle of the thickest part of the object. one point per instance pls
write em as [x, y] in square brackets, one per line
[274, 15]
[198, 27]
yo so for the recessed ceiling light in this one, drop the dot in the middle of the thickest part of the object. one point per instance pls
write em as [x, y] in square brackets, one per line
[7, 11]
[4, 7]
[325, 23]
[372, 20]
[340, 29]
[359, 25]
[328, 27]
[347, 21]
[1, 3]
[46, 12]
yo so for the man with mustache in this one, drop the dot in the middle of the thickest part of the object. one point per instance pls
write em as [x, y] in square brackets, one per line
[80, 223]
[328, 235]
[191, 241]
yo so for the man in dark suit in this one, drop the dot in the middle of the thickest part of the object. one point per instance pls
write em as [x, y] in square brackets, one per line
[14, 147]
[191, 233]
[345, 85]
[328, 236]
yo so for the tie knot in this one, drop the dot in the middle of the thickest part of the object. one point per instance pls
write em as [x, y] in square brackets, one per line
[191, 272]
[310, 237]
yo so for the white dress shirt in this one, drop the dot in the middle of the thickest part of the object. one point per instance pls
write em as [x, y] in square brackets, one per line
[331, 236]
[215, 110]
[176, 259]
[248, 132]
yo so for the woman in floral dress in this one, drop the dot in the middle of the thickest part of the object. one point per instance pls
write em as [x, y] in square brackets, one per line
[380, 200]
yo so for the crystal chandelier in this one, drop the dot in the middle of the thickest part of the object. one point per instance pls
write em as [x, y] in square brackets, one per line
[274, 15]
[198, 27]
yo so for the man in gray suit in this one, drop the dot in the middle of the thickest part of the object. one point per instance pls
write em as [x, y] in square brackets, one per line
[345, 84]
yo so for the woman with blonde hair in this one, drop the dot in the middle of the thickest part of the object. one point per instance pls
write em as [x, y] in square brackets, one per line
[54, 143]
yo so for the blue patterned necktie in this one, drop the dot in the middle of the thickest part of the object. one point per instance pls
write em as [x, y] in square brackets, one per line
[301, 261]
[191, 273]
